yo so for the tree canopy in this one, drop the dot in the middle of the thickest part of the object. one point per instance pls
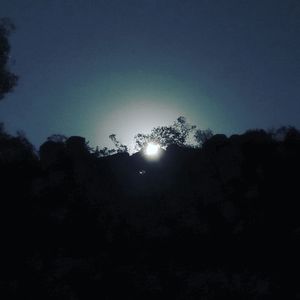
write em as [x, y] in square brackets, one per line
[8, 80]
[178, 133]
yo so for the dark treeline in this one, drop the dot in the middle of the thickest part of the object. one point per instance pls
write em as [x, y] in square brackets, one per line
[216, 222]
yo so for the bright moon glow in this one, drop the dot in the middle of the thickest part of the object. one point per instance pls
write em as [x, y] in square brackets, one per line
[152, 149]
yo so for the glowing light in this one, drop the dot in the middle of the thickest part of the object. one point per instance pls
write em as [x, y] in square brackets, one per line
[152, 149]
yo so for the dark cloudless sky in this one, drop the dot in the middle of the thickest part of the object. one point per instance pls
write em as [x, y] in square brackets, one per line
[95, 67]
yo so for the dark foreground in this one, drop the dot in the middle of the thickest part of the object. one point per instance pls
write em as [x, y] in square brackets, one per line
[221, 222]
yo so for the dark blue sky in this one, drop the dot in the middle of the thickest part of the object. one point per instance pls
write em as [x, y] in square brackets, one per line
[95, 67]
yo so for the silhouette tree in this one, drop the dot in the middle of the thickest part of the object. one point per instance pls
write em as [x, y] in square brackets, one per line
[283, 133]
[7, 79]
[103, 152]
[202, 136]
[57, 138]
[121, 148]
[177, 134]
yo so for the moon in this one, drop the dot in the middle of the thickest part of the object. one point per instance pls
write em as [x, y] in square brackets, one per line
[152, 149]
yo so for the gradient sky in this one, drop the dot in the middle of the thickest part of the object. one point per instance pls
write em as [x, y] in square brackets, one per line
[96, 67]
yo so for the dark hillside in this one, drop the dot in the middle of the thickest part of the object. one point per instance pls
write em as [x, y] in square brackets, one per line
[217, 222]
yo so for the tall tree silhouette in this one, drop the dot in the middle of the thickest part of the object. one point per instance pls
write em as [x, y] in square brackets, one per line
[8, 80]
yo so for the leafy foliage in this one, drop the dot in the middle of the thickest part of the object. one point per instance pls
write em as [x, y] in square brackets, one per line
[103, 152]
[177, 134]
[121, 148]
[202, 136]
[8, 80]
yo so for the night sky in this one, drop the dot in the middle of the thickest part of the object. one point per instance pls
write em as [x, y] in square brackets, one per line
[96, 67]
